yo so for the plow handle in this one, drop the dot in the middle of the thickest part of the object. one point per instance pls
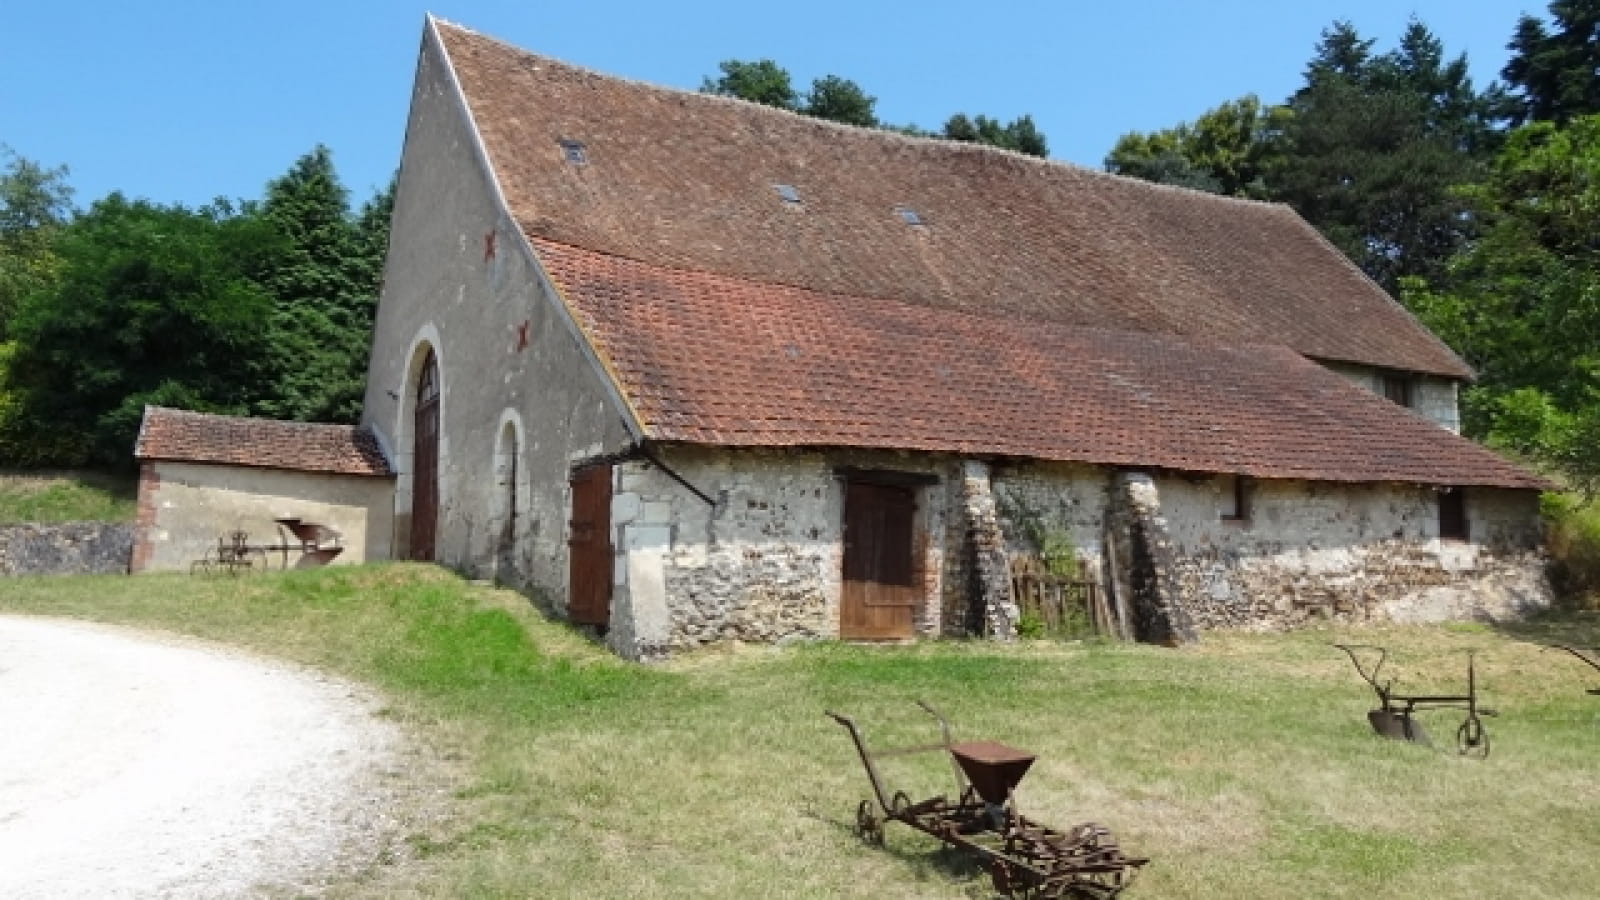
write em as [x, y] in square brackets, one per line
[1370, 678]
[866, 758]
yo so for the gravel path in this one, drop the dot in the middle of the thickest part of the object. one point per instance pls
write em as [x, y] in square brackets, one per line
[135, 765]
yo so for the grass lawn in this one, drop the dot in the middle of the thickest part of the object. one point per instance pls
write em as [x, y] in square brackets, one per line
[1243, 767]
[65, 497]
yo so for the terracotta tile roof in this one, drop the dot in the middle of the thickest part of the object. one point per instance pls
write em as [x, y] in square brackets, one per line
[709, 358]
[687, 180]
[175, 434]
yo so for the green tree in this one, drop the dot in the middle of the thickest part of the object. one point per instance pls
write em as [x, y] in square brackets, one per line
[1522, 303]
[323, 281]
[1554, 75]
[1020, 134]
[1226, 150]
[153, 304]
[1374, 147]
[35, 202]
[840, 100]
[763, 81]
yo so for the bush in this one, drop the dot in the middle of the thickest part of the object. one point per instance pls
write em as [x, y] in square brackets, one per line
[1573, 539]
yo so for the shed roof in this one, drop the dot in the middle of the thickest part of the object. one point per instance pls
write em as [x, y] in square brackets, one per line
[715, 359]
[690, 181]
[183, 436]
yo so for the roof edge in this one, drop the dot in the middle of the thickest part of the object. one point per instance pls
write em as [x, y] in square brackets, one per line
[884, 133]
[1464, 373]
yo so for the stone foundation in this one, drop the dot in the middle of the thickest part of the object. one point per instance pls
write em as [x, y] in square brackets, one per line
[71, 548]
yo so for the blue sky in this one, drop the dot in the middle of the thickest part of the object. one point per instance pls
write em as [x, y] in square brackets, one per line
[182, 101]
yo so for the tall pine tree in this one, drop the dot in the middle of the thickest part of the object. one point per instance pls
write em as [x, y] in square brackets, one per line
[1375, 147]
[1554, 75]
[323, 283]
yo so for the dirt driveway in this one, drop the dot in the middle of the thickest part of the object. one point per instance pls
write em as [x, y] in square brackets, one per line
[133, 765]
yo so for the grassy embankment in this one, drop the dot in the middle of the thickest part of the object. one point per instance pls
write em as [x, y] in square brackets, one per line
[1244, 766]
[76, 496]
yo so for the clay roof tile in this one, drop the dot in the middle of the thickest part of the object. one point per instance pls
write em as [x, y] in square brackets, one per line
[183, 436]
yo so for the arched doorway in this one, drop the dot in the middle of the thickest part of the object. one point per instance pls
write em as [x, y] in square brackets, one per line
[425, 460]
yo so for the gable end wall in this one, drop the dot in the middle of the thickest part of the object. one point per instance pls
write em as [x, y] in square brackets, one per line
[461, 278]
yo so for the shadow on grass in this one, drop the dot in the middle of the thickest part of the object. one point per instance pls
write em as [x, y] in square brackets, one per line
[926, 856]
[1563, 631]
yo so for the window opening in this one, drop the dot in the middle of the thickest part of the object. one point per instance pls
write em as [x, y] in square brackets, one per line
[1236, 500]
[1398, 389]
[573, 152]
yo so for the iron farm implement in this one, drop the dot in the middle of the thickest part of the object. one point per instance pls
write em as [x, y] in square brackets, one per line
[317, 545]
[1393, 717]
[1025, 859]
[1588, 656]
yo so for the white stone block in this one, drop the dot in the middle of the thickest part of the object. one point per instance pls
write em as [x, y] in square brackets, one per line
[624, 508]
[647, 596]
[646, 537]
[656, 513]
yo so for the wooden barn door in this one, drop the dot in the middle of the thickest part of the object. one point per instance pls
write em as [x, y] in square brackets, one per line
[589, 546]
[425, 461]
[880, 593]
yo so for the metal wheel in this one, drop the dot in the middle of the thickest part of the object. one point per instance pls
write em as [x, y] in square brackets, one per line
[1472, 739]
[868, 826]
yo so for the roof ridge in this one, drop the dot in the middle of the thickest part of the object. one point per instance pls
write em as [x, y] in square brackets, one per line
[888, 134]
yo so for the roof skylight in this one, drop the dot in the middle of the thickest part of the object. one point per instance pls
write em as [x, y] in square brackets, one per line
[787, 192]
[572, 151]
[908, 215]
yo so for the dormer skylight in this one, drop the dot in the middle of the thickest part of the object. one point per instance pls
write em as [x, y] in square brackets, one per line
[788, 193]
[572, 152]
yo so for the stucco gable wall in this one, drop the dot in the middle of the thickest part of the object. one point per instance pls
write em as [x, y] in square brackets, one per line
[459, 278]
[1433, 397]
[185, 507]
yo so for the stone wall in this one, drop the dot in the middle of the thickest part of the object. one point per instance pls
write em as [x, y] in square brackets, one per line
[761, 563]
[70, 548]
[1313, 551]
[1146, 562]
[1308, 551]
[986, 543]
[762, 560]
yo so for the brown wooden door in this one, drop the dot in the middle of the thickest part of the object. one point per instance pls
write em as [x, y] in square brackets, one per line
[880, 591]
[589, 545]
[425, 461]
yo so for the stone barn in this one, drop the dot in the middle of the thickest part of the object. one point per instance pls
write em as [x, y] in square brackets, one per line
[203, 477]
[690, 369]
